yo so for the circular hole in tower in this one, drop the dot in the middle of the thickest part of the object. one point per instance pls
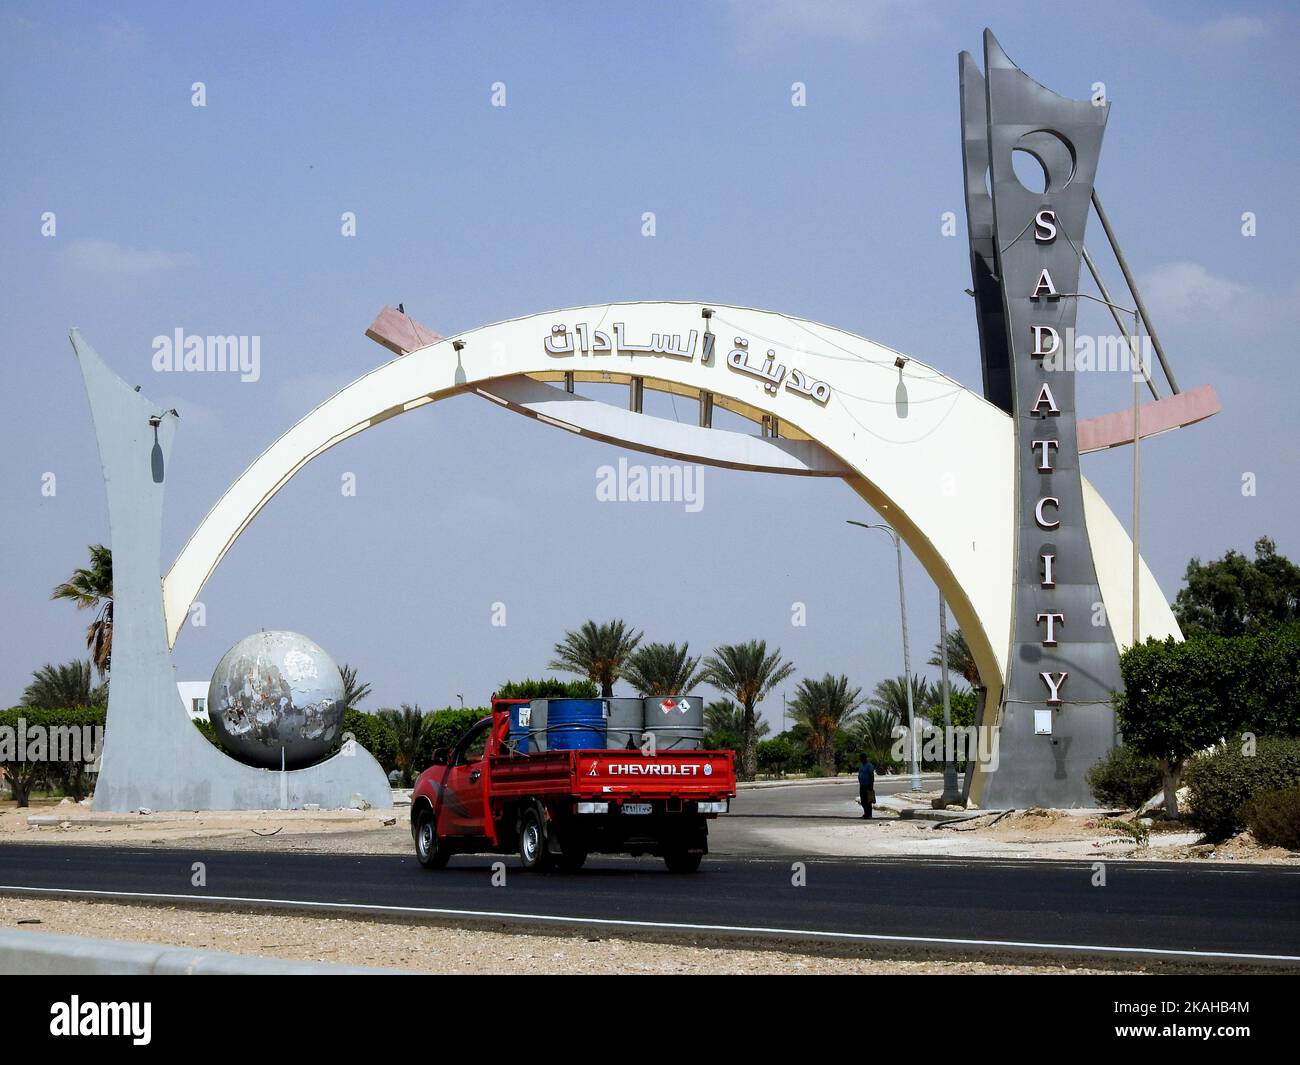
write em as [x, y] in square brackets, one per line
[1029, 169]
[1043, 161]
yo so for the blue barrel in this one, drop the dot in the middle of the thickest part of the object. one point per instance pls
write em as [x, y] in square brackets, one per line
[523, 722]
[575, 724]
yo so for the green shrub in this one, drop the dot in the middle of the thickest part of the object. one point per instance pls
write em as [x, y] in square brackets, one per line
[1274, 683]
[548, 688]
[1179, 697]
[1273, 817]
[1124, 778]
[802, 761]
[1223, 781]
[1134, 831]
[775, 755]
[373, 733]
[962, 704]
[209, 733]
[445, 729]
[69, 775]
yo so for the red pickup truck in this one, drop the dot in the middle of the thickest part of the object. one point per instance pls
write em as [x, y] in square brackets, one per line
[556, 807]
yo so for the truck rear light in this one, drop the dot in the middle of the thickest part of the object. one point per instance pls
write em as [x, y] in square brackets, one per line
[591, 807]
[711, 807]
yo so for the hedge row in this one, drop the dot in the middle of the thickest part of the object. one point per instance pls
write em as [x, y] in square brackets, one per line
[548, 688]
[24, 776]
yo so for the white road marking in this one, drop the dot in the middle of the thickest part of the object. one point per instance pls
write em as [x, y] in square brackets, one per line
[863, 937]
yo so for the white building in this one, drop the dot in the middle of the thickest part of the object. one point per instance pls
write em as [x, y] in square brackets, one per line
[194, 694]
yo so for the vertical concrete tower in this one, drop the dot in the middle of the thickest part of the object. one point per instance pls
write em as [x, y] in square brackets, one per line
[1026, 245]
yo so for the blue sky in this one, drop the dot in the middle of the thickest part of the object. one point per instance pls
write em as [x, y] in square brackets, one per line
[225, 219]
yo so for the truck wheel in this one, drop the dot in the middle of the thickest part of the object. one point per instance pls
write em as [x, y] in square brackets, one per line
[532, 840]
[682, 861]
[428, 848]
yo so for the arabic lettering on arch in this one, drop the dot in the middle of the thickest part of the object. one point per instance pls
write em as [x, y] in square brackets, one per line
[584, 341]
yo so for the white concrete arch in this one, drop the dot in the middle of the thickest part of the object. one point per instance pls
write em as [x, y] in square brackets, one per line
[933, 457]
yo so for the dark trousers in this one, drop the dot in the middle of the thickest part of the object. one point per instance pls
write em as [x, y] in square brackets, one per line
[868, 796]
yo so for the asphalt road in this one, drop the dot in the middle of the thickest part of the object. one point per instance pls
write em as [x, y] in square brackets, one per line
[743, 831]
[834, 800]
[1145, 908]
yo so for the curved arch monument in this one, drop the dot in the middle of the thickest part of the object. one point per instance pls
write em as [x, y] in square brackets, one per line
[982, 486]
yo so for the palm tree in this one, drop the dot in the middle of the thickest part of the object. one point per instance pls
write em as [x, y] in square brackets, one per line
[658, 669]
[874, 729]
[960, 660]
[747, 672]
[890, 696]
[825, 707]
[725, 718]
[410, 726]
[596, 652]
[64, 687]
[92, 589]
[353, 692]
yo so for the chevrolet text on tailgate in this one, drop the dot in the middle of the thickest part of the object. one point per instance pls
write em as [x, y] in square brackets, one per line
[553, 808]
[651, 769]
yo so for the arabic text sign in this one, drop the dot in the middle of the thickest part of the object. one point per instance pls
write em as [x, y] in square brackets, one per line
[585, 341]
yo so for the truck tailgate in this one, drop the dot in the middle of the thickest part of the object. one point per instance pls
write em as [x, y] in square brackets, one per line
[693, 774]
[545, 773]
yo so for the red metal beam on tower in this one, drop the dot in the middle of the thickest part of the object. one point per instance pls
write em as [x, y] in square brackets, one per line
[1172, 412]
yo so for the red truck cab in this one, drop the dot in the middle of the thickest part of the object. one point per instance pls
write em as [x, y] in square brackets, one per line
[555, 807]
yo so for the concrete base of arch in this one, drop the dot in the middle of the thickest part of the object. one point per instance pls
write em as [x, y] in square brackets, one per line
[153, 757]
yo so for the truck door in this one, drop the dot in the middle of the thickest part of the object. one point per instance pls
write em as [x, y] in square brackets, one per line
[463, 803]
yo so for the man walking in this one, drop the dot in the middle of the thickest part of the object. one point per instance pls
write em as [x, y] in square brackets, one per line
[866, 784]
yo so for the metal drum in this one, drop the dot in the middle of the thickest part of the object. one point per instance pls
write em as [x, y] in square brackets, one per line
[626, 723]
[676, 722]
[527, 726]
[575, 724]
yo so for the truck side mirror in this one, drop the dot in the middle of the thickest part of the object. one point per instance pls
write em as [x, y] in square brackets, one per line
[440, 755]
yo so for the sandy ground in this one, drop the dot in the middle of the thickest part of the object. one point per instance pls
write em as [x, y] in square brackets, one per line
[344, 831]
[1021, 834]
[1052, 833]
[433, 948]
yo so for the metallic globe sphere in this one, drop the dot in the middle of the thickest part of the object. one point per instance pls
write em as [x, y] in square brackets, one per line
[276, 694]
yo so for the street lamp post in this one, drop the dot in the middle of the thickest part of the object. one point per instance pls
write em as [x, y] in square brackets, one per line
[907, 654]
[1137, 480]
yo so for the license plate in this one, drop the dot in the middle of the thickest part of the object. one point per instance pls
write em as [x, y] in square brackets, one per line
[636, 808]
